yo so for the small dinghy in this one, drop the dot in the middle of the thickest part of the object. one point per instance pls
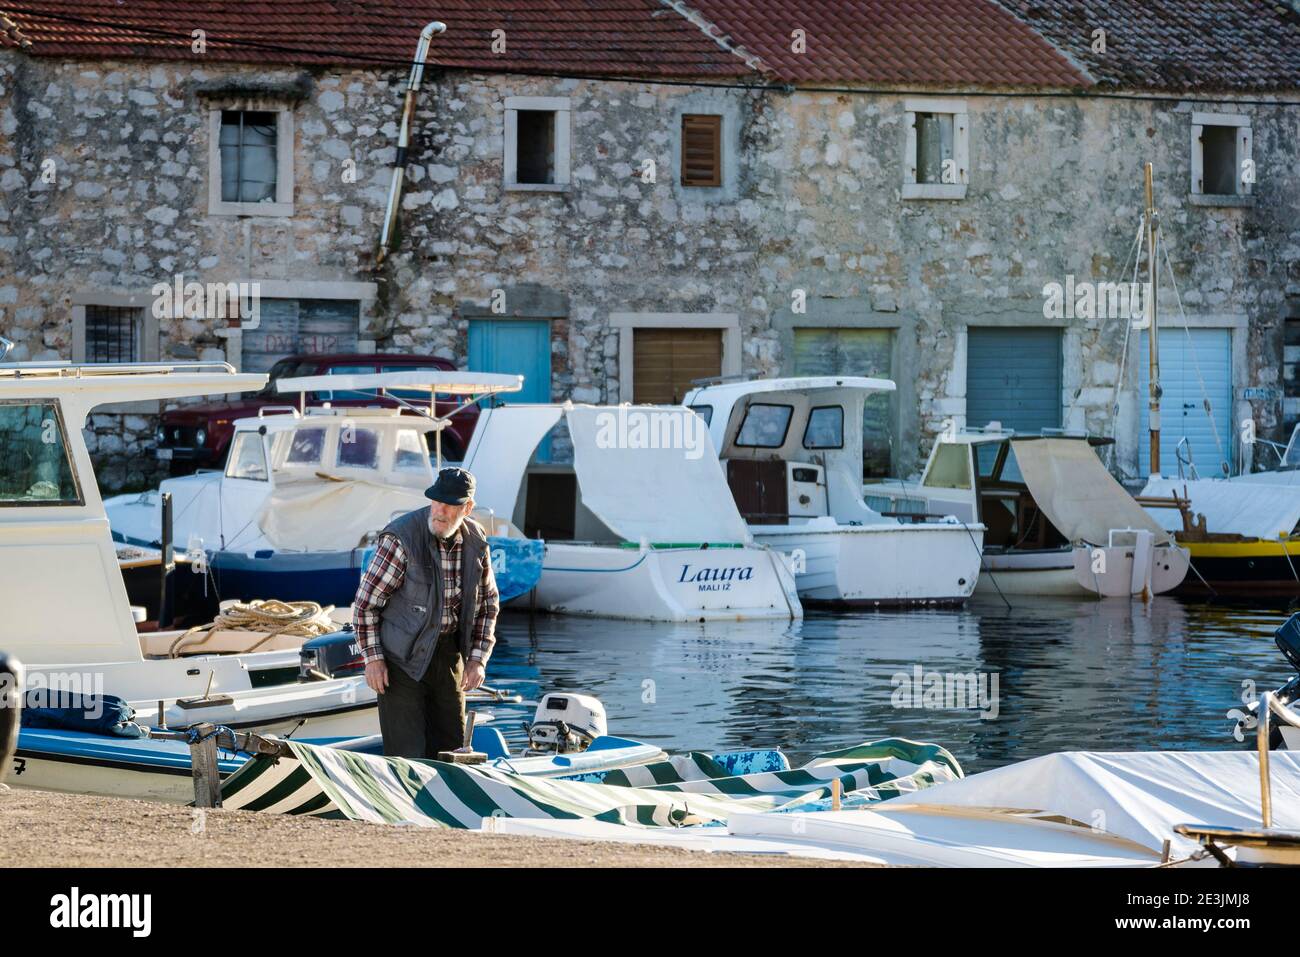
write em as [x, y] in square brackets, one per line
[95, 746]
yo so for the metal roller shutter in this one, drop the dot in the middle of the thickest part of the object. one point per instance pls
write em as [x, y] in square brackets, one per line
[1188, 357]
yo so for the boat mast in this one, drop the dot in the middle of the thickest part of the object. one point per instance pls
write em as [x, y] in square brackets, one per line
[1153, 335]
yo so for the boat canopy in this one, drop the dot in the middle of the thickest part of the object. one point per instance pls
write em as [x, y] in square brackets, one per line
[1076, 492]
[1136, 795]
[503, 442]
[446, 383]
[1253, 509]
[647, 492]
[639, 485]
[81, 388]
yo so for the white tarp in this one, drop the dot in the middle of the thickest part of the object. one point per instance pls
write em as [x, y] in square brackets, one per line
[1253, 509]
[1139, 795]
[643, 490]
[331, 516]
[1076, 493]
[503, 442]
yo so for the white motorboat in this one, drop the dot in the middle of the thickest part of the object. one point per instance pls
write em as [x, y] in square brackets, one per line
[635, 527]
[792, 452]
[68, 617]
[304, 494]
[1056, 521]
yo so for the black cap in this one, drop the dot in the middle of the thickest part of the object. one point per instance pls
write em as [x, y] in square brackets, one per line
[454, 486]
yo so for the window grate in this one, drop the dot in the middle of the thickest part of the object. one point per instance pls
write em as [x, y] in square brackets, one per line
[111, 333]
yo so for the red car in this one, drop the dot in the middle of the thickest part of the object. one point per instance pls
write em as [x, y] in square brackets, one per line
[194, 436]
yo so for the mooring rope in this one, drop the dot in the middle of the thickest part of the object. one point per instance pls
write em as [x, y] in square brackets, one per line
[297, 619]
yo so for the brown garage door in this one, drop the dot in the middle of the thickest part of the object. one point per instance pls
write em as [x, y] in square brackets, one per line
[664, 361]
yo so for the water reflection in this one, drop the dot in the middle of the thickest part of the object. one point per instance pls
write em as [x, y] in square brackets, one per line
[1071, 675]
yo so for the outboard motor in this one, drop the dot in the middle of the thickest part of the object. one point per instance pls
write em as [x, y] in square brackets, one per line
[1288, 641]
[565, 723]
[336, 655]
[11, 702]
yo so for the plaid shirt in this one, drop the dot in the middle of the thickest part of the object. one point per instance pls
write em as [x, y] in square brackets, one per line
[387, 571]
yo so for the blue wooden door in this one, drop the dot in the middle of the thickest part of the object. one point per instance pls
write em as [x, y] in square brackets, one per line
[1195, 365]
[1013, 376]
[516, 347]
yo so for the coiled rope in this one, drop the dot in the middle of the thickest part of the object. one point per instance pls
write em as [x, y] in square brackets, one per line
[296, 619]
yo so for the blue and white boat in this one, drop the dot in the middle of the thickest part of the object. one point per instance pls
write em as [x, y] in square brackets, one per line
[305, 491]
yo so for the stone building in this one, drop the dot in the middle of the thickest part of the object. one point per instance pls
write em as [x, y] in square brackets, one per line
[630, 194]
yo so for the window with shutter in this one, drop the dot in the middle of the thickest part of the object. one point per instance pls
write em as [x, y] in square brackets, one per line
[701, 150]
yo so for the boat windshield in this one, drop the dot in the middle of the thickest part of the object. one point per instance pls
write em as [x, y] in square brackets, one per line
[1291, 457]
[34, 465]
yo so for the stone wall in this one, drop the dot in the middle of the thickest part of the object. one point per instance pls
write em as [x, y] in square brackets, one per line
[811, 202]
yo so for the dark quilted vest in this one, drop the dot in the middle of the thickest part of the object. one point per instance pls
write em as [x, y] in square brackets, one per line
[410, 622]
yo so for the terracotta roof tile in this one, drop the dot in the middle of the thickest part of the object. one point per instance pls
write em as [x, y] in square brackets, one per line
[1176, 45]
[894, 42]
[640, 37]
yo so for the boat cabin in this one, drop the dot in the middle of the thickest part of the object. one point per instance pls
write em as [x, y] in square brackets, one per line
[975, 475]
[56, 551]
[791, 448]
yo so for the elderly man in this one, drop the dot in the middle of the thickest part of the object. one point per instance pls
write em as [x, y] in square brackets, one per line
[425, 614]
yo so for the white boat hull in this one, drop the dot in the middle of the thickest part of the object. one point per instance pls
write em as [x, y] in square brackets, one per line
[1068, 572]
[885, 564]
[1048, 573]
[49, 773]
[667, 584]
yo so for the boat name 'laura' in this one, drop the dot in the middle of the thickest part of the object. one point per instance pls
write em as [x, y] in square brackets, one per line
[717, 579]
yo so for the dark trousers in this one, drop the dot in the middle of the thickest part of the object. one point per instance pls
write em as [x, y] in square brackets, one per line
[420, 718]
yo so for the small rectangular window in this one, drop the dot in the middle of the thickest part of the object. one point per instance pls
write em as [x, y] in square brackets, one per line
[34, 465]
[305, 447]
[112, 334]
[765, 426]
[705, 412]
[248, 156]
[934, 147]
[535, 147]
[825, 429]
[358, 448]
[1219, 152]
[701, 150]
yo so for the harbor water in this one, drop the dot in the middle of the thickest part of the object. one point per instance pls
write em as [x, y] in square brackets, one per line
[1044, 675]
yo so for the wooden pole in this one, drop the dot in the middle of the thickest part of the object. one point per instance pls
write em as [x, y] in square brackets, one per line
[165, 564]
[203, 762]
[1153, 332]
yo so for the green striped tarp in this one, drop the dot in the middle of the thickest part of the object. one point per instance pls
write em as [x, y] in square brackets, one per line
[684, 790]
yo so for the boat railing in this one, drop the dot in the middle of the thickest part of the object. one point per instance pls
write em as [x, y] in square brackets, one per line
[80, 369]
[1269, 707]
[1182, 445]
